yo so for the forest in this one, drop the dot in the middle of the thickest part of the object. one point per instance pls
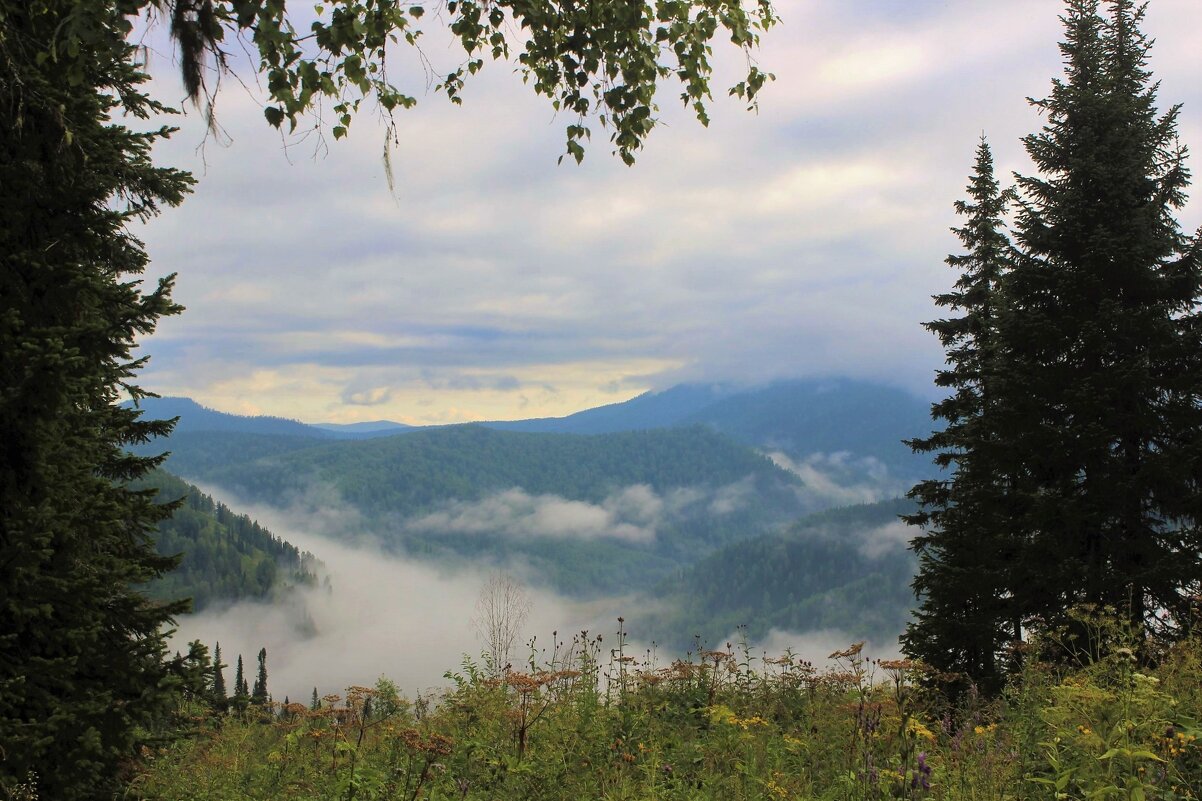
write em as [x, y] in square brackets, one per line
[226, 557]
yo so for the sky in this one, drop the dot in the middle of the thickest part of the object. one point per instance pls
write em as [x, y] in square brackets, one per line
[492, 282]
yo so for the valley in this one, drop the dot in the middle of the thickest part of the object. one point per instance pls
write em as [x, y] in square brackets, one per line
[700, 514]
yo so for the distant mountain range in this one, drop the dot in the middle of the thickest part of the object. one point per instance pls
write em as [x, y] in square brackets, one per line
[695, 495]
[857, 425]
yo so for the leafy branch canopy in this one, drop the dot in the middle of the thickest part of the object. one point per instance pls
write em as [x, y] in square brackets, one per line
[599, 61]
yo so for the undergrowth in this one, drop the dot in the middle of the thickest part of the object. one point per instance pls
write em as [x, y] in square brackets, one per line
[583, 722]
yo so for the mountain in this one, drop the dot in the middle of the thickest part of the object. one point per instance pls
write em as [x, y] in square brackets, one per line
[370, 428]
[226, 556]
[194, 418]
[839, 431]
[672, 407]
[845, 569]
[587, 513]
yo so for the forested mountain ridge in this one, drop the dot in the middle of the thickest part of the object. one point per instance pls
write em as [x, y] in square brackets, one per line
[410, 473]
[591, 514]
[226, 556]
[802, 417]
[844, 569]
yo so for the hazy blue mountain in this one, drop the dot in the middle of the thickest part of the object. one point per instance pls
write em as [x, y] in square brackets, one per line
[369, 428]
[671, 407]
[851, 431]
[194, 417]
[803, 418]
[846, 569]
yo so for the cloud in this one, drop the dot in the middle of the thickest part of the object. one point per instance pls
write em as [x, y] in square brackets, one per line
[888, 540]
[839, 479]
[816, 228]
[631, 514]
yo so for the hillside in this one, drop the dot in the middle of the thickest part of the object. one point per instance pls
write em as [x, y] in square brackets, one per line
[845, 569]
[847, 432]
[588, 514]
[226, 556]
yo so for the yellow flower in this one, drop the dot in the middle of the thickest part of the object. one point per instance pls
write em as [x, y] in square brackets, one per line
[918, 730]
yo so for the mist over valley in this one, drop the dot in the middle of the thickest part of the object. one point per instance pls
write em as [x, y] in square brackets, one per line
[701, 515]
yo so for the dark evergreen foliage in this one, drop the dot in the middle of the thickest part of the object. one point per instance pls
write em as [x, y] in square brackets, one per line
[82, 667]
[966, 547]
[1075, 432]
[1106, 337]
[259, 694]
[220, 699]
[241, 697]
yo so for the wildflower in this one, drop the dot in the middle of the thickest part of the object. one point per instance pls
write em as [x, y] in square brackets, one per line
[920, 731]
[853, 650]
[922, 774]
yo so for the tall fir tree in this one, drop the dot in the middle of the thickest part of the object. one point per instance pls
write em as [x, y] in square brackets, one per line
[83, 672]
[259, 695]
[965, 536]
[241, 696]
[1107, 338]
[221, 700]
[1084, 483]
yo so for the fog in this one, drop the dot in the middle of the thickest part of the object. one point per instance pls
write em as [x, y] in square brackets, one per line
[378, 614]
[632, 513]
[840, 479]
[410, 621]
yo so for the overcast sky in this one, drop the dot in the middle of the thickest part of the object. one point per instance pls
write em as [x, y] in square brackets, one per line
[805, 240]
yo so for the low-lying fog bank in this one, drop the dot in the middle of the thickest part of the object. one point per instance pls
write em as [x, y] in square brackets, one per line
[406, 620]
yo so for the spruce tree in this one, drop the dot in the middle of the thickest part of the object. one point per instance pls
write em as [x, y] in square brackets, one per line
[1079, 474]
[965, 538]
[220, 696]
[258, 695]
[241, 691]
[1106, 337]
[83, 668]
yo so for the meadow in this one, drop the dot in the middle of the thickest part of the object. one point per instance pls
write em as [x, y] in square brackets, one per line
[585, 719]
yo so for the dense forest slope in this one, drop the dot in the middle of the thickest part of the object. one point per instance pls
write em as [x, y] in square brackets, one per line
[845, 569]
[589, 514]
[226, 556]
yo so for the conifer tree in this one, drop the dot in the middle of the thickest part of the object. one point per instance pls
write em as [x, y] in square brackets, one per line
[220, 696]
[1106, 337]
[965, 537]
[1082, 482]
[83, 667]
[241, 690]
[315, 703]
[258, 695]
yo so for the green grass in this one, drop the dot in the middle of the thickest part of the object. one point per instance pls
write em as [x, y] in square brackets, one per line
[591, 723]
